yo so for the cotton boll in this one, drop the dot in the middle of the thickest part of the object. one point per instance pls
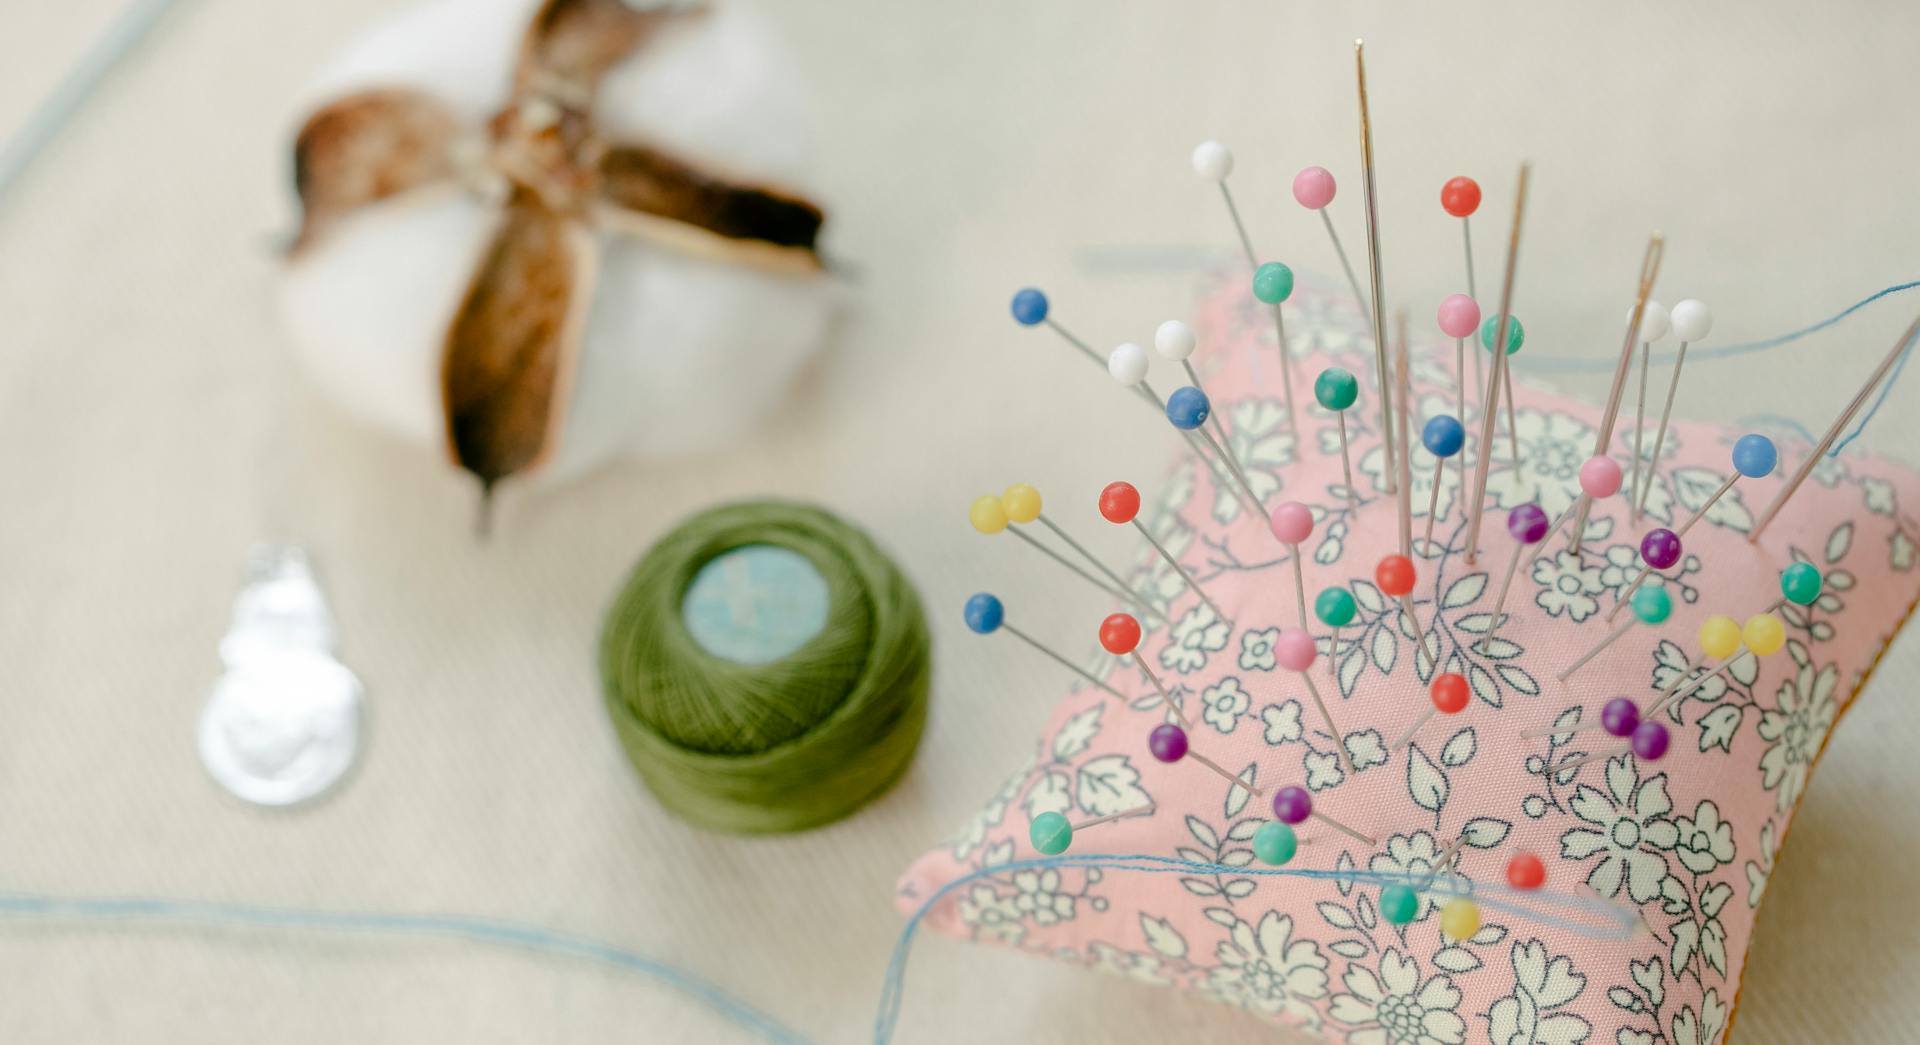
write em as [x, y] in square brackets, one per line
[680, 354]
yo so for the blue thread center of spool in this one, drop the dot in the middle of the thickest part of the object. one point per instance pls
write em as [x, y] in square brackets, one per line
[755, 604]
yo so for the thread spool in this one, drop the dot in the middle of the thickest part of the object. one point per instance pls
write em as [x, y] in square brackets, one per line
[766, 667]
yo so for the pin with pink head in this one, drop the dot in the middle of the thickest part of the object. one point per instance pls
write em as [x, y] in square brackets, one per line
[1459, 316]
[1292, 524]
[1313, 187]
[1294, 650]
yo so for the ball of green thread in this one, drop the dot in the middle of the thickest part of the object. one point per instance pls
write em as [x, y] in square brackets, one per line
[1275, 843]
[1273, 283]
[1516, 334]
[781, 746]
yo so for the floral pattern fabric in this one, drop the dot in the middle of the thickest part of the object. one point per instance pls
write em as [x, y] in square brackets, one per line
[1688, 840]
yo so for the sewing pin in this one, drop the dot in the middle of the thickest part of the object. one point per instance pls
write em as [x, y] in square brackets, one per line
[1273, 284]
[1459, 318]
[1168, 743]
[1490, 405]
[1120, 503]
[1448, 695]
[1051, 834]
[1833, 432]
[1659, 549]
[1292, 805]
[1528, 526]
[1689, 321]
[1754, 457]
[1120, 636]
[1516, 336]
[1174, 341]
[989, 517]
[985, 615]
[1313, 188]
[1654, 323]
[1378, 296]
[1021, 503]
[1403, 438]
[1443, 437]
[1395, 576]
[1651, 606]
[1294, 650]
[1213, 161]
[1649, 271]
[1292, 523]
[1187, 409]
[1335, 389]
[1460, 197]
[1127, 364]
[1336, 609]
[1600, 478]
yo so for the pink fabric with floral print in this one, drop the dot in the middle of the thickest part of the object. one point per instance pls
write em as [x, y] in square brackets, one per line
[1688, 840]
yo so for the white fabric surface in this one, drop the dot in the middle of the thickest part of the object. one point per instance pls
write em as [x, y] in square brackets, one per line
[153, 430]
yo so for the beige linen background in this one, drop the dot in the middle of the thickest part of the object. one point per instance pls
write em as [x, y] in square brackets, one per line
[151, 430]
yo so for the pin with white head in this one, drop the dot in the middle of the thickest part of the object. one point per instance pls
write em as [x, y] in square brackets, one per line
[988, 515]
[1689, 321]
[1654, 324]
[1187, 410]
[1120, 636]
[1313, 188]
[1273, 285]
[1213, 162]
[1120, 504]
[1292, 523]
[1294, 650]
[985, 614]
[1021, 504]
[1444, 437]
[1336, 390]
[1174, 341]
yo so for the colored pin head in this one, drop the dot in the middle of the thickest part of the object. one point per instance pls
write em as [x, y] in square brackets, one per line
[1294, 649]
[987, 514]
[1021, 503]
[1273, 283]
[1119, 502]
[1335, 607]
[1449, 693]
[1395, 575]
[1459, 919]
[1275, 843]
[1652, 604]
[1398, 904]
[984, 613]
[1460, 196]
[1174, 340]
[1212, 161]
[1528, 523]
[1620, 717]
[1650, 740]
[1120, 634]
[1654, 321]
[1292, 804]
[1800, 583]
[1291, 522]
[1029, 307]
[1443, 436]
[1127, 363]
[1660, 548]
[1691, 320]
[1754, 455]
[1763, 634]
[1167, 742]
[1050, 834]
[1459, 315]
[1188, 408]
[1600, 477]
[1335, 388]
[1490, 329]
[1313, 187]
[1719, 636]
[1525, 871]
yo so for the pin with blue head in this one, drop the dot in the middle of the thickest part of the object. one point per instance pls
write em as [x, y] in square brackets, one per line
[985, 614]
[1651, 606]
[1336, 390]
[1031, 308]
[1444, 437]
[1187, 410]
[1754, 456]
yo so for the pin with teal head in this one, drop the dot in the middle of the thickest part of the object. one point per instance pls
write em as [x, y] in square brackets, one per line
[1444, 437]
[1336, 389]
[1336, 609]
[1052, 835]
[1516, 336]
[1651, 606]
[1273, 285]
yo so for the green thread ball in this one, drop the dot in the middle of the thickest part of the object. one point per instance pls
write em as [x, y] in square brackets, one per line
[780, 746]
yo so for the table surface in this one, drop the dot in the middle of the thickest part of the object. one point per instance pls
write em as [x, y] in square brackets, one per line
[153, 430]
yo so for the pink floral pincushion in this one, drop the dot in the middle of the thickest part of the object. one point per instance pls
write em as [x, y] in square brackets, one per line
[1688, 840]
